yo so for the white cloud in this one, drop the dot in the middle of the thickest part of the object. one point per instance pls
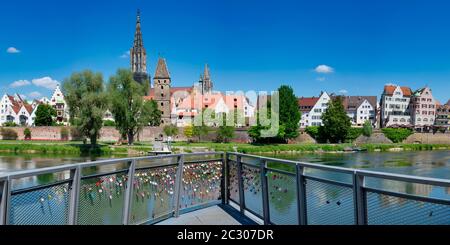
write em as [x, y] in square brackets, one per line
[20, 83]
[125, 55]
[343, 91]
[324, 69]
[12, 50]
[321, 79]
[35, 95]
[46, 82]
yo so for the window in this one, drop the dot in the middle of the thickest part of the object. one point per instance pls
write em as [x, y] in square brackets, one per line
[162, 103]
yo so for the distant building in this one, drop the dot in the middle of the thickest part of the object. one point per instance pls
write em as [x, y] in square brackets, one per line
[395, 106]
[312, 109]
[442, 121]
[138, 56]
[361, 109]
[14, 109]
[423, 109]
[58, 102]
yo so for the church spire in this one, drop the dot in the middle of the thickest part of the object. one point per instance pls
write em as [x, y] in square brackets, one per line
[138, 41]
[138, 53]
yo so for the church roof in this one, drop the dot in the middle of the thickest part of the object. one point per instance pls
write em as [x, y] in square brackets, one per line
[207, 75]
[161, 69]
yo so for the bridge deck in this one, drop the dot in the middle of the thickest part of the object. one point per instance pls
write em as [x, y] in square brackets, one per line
[209, 216]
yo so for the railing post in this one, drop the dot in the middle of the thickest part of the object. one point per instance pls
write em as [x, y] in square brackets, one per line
[5, 202]
[360, 199]
[74, 188]
[240, 185]
[301, 195]
[178, 185]
[129, 193]
[265, 192]
[224, 179]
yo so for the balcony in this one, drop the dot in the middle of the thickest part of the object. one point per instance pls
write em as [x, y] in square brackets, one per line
[216, 189]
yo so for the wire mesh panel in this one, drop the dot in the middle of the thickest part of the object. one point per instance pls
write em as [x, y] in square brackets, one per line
[45, 206]
[282, 198]
[101, 200]
[233, 185]
[201, 184]
[251, 178]
[385, 209]
[329, 204]
[153, 194]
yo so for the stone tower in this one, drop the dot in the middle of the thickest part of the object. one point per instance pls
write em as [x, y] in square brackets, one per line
[205, 83]
[138, 56]
[161, 82]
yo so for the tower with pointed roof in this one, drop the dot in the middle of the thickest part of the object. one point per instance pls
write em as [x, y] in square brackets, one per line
[138, 55]
[162, 84]
[207, 83]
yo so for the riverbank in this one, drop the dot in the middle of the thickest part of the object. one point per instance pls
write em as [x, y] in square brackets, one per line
[307, 148]
[142, 148]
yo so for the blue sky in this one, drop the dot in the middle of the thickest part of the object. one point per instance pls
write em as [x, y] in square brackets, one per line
[249, 45]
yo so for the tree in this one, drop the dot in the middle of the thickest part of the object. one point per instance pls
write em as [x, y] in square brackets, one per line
[131, 112]
[45, 115]
[170, 130]
[189, 132]
[367, 129]
[27, 134]
[200, 131]
[336, 123]
[225, 133]
[155, 114]
[397, 135]
[87, 102]
[289, 113]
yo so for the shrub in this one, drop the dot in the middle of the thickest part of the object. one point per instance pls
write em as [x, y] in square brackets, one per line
[109, 123]
[8, 134]
[353, 133]
[9, 124]
[27, 134]
[170, 130]
[224, 134]
[313, 131]
[64, 133]
[397, 135]
[367, 129]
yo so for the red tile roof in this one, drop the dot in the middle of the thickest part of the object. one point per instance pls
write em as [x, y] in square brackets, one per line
[306, 104]
[389, 90]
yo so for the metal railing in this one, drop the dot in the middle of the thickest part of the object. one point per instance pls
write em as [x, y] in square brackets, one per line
[146, 190]
[308, 193]
[141, 190]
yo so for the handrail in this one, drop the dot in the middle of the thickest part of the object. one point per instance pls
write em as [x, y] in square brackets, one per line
[357, 187]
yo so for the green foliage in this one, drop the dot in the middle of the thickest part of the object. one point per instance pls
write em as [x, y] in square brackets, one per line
[45, 115]
[397, 135]
[189, 132]
[313, 131]
[224, 134]
[27, 134]
[64, 133]
[131, 113]
[9, 124]
[289, 113]
[336, 123]
[170, 130]
[8, 134]
[353, 134]
[87, 102]
[367, 129]
[154, 113]
[199, 131]
[109, 123]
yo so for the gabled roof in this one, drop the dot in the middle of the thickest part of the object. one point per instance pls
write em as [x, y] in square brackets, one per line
[448, 102]
[161, 69]
[354, 102]
[307, 103]
[389, 90]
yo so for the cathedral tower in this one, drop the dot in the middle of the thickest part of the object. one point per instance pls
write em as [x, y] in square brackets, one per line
[161, 82]
[138, 56]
